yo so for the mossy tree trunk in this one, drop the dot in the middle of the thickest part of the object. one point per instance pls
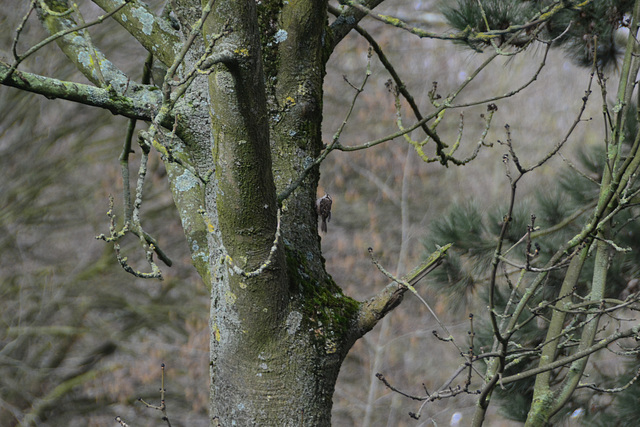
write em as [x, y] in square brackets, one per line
[279, 337]
[241, 144]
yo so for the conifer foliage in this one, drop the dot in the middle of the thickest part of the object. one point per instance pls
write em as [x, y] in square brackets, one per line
[586, 28]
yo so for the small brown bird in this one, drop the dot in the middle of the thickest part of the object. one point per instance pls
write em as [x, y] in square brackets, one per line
[323, 206]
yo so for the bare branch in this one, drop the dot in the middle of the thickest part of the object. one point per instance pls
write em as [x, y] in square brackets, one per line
[632, 332]
[19, 58]
[77, 47]
[612, 390]
[163, 403]
[388, 298]
[347, 19]
[137, 104]
[115, 236]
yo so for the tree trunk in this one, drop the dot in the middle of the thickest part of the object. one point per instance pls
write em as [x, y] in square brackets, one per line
[278, 338]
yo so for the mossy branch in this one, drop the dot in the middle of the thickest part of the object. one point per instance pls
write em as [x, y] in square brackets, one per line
[138, 102]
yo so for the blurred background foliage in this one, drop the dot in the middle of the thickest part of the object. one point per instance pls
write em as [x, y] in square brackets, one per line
[81, 340]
